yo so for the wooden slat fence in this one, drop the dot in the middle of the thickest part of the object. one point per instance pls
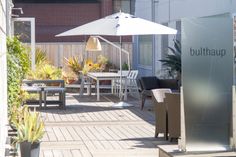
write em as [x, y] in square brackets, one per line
[56, 52]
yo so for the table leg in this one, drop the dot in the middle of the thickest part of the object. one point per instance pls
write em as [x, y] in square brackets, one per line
[82, 86]
[125, 96]
[40, 99]
[98, 94]
[112, 85]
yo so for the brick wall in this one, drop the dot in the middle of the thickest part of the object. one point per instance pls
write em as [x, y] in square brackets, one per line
[106, 7]
[55, 18]
[52, 19]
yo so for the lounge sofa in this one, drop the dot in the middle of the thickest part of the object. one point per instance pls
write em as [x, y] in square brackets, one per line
[148, 83]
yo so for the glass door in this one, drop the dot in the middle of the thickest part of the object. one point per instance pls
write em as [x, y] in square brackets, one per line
[25, 29]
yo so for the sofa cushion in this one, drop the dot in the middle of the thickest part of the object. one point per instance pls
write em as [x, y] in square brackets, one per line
[149, 82]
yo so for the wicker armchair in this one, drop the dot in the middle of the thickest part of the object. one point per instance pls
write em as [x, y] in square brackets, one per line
[172, 100]
[160, 109]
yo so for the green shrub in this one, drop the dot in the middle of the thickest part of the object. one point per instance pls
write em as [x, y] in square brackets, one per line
[17, 49]
[125, 66]
[74, 64]
[18, 64]
[45, 71]
[40, 57]
[172, 60]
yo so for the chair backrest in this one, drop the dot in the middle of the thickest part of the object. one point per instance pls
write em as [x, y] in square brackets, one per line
[133, 74]
[159, 94]
[169, 83]
[124, 72]
[149, 82]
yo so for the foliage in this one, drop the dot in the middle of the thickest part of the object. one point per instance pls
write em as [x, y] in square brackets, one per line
[45, 71]
[90, 66]
[87, 65]
[18, 64]
[69, 77]
[28, 96]
[173, 60]
[16, 114]
[125, 66]
[73, 64]
[17, 49]
[102, 60]
[30, 127]
[40, 57]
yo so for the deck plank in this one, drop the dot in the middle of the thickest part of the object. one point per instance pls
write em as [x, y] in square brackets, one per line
[67, 153]
[66, 134]
[73, 134]
[57, 153]
[58, 134]
[51, 134]
[76, 153]
[95, 129]
[47, 153]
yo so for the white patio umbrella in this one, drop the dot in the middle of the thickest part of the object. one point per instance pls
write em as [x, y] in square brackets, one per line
[119, 24]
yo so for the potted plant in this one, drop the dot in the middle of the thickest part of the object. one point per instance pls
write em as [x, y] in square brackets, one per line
[30, 129]
[74, 64]
[173, 60]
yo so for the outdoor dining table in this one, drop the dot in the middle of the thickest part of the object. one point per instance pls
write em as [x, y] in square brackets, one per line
[98, 76]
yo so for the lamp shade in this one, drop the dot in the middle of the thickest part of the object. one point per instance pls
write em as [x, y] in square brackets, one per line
[93, 44]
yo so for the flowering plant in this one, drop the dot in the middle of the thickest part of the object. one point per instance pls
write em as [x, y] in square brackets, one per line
[90, 66]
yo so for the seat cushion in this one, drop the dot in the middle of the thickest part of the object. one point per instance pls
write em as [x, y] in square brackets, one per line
[149, 82]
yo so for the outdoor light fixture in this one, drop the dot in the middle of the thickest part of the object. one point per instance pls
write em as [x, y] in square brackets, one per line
[16, 15]
[93, 44]
[20, 9]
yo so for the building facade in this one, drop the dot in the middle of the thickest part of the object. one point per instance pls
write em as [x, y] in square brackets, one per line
[3, 79]
[150, 49]
[56, 16]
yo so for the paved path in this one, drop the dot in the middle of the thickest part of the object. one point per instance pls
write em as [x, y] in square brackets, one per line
[95, 129]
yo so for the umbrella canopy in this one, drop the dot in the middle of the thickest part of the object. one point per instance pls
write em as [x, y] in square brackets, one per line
[119, 24]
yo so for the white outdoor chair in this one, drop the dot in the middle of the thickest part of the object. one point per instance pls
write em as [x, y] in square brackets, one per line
[131, 83]
[116, 83]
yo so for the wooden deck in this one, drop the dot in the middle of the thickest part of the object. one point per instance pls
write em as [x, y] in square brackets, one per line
[88, 128]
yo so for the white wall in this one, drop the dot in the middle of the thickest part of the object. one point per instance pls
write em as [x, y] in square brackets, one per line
[176, 9]
[170, 11]
[3, 78]
[143, 9]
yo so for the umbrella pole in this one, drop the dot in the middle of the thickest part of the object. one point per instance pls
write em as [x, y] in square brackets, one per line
[121, 103]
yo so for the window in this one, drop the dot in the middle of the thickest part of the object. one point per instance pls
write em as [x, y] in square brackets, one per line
[178, 27]
[145, 50]
[123, 5]
[164, 44]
